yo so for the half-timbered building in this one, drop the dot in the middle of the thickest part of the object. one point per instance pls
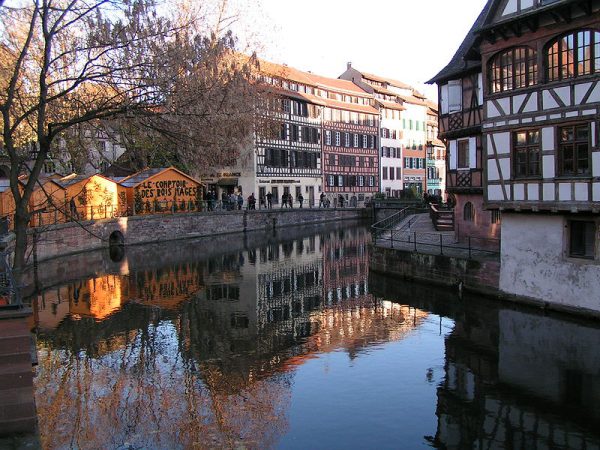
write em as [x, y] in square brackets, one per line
[436, 155]
[350, 140]
[460, 103]
[403, 129]
[541, 66]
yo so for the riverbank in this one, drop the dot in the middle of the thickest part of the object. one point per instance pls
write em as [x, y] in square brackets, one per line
[70, 238]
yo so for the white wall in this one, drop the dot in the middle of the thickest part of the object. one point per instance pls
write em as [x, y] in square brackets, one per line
[533, 263]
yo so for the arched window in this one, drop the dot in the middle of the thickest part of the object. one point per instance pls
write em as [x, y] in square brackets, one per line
[468, 212]
[573, 55]
[513, 69]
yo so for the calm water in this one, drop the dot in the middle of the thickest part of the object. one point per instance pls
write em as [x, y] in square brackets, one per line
[286, 341]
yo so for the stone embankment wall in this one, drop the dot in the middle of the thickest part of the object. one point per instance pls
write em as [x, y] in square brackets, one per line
[476, 275]
[69, 238]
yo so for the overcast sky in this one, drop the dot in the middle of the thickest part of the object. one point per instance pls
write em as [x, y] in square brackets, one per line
[402, 39]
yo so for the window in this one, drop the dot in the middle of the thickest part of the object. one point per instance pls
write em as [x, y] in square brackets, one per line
[513, 69]
[361, 180]
[573, 55]
[463, 154]
[574, 150]
[50, 167]
[365, 142]
[398, 173]
[331, 180]
[356, 140]
[385, 173]
[496, 216]
[526, 154]
[391, 173]
[371, 181]
[454, 96]
[347, 140]
[582, 239]
[337, 139]
[468, 212]
[331, 159]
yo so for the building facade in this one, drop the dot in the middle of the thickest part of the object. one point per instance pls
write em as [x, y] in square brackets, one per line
[436, 156]
[460, 106]
[402, 147]
[541, 63]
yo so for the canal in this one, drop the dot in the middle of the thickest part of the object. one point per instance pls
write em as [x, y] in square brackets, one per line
[286, 341]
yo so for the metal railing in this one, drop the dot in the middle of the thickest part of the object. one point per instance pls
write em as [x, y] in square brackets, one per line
[9, 294]
[437, 213]
[390, 222]
[439, 243]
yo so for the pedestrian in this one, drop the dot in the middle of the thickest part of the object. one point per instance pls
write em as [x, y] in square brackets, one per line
[269, 200]
[251, 201]
[290, 200]
[322, 200]
[341, 200]
[240, 201]
[284, 200]
[73, 208]
[300, 199]
[261, 201]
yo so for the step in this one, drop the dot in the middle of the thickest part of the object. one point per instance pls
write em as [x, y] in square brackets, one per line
[16, 395]
[19, 379]
[22, 425]
[16, 358]
[14, 327]
[15, 344]
[17, 411]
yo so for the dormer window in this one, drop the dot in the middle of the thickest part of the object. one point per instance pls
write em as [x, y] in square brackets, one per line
[573, 55]
[513, 69]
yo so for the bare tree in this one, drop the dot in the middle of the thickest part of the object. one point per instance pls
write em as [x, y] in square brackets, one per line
[68, 63]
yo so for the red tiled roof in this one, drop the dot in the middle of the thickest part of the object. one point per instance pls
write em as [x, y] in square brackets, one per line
[355, 107]
[338, 85]
[285, 72]
[391, 105]
[391, 81]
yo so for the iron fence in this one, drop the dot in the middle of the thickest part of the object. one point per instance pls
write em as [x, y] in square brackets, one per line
[441, 243]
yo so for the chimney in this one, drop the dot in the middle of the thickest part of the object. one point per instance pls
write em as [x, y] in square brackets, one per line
[349, 65]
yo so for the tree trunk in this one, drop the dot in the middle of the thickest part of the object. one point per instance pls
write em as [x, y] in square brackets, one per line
[20, 229]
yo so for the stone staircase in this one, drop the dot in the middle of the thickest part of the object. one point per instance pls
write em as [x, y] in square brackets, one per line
[442, 219]
[17, 406]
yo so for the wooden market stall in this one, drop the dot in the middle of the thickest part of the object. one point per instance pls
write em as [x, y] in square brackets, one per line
[160, 190]
[90, 197]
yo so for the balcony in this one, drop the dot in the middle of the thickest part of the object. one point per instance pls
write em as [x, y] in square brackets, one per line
[465, 181]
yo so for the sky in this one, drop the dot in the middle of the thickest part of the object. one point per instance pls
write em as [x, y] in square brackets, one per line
[406, 40]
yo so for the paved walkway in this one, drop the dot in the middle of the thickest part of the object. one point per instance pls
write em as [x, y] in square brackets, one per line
[417, 233]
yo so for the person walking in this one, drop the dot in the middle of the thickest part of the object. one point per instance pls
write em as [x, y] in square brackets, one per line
[300, 199]
[284, 200]
[322, 200]
[290, 200]
[269, 200]
[240, 201]
[251, 201]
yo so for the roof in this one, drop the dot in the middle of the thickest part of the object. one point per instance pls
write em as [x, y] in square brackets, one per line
[391, 105]
[146, 174]
[283, 71]
[355, 107]
[4, 185]
[338, 85]
[72, 179]
[460, 62]
[391, 81]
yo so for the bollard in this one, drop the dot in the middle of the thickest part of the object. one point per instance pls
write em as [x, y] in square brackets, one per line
[469, 247]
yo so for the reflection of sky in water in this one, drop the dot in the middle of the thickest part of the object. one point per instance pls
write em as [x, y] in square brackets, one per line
[383, 396]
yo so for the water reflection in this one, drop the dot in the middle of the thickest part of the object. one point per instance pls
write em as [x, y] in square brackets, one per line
[202, 352]
[203, 348]
[514, 377]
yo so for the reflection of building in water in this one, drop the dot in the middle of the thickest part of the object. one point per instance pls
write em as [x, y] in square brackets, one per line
[99, 297]
[264, 308]
[345, 265]
[518, 380]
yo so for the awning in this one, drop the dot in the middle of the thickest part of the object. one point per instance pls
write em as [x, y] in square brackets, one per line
[227, 182]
